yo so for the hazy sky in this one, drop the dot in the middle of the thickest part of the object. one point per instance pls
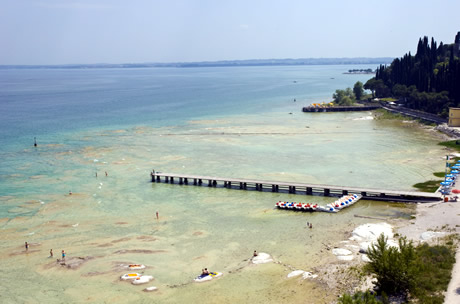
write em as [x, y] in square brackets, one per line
[130, 31]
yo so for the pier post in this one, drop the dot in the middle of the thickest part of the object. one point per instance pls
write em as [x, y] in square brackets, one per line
[257, 186]
[153, 176]
[241, 185]
[166, 179]
[363, 193]
[225, 184]
[214, 183]
[293, 189]
[172, 180]
[273, 188]
[229, 184]
[200, 181]
[345, 192]
[186, 180]
[277, 188]
[158, 179]
[194, 181]
[180, 181]
[210, 183]
[260, 187]
[327, 192]
[245, 186]
[309, 191]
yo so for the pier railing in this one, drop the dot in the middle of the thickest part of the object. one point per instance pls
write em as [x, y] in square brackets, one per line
[293, 187]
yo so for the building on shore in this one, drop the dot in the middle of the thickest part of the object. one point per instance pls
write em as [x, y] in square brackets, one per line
[454, 117]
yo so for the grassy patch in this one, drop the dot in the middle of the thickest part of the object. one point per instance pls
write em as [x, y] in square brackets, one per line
[429, 186]
[382, 114]
[453, 144]
[439, 174]
[388, 99]
[436, 271]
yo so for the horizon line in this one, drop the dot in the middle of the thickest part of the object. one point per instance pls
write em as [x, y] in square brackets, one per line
[209, 63]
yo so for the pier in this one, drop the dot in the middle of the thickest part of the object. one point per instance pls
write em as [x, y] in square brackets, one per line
[293, 187]
[340, 108]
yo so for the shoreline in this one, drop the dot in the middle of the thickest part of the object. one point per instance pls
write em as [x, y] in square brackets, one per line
[431, 222]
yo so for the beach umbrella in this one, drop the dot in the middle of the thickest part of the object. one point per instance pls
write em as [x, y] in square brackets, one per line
[454, 171]
[445, 183]
[456, 191]
[450, 175]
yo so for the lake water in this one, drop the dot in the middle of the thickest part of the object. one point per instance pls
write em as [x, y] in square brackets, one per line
[232, 122]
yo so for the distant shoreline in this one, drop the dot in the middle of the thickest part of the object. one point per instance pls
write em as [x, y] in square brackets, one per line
[226, 63]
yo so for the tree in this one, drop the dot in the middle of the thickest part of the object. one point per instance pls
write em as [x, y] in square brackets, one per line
[358, 90]
[395, 269]
[344, 97]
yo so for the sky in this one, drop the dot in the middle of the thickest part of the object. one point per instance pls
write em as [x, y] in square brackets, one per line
[144, 31]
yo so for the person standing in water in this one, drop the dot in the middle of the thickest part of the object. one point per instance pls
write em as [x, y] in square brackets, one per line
[63, 254]
[158, 216]
[51, 253]
[27, 246]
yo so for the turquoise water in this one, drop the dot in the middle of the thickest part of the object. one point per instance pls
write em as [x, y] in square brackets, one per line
[233, 122]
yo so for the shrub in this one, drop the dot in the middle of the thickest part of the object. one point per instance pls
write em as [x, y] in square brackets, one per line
[395, 269]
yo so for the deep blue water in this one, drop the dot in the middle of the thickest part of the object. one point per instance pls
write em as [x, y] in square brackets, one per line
[44, 103]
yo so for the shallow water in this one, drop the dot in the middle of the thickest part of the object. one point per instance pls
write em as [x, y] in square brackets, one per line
[112, 218]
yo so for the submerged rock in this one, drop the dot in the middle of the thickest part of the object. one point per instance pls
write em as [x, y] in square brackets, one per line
[73, 262]
[295, 273]
[262, 258]
[341, 251]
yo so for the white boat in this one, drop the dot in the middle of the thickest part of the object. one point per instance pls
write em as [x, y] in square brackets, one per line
[329, 209]
[130, 276]
[142, 279]
[207, 277]
[136, 266]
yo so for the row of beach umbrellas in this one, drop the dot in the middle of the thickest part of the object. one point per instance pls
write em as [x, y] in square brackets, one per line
[450, 178]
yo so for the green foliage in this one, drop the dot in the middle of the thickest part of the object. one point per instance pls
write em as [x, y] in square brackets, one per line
[361, 298]
[439, 174]
[344, 97]
[358, 90]
[453, 144]
[395, 270]
[427, 81]
[377, 87]
[428, 186]
[436, 264]
[423, 272]
[384, 114]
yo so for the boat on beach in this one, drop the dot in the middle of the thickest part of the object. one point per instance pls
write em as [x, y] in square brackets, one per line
[130, 276]
[142, 279]
[207, 277]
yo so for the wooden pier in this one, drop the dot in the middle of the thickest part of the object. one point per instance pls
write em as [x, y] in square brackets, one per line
[293, 187]
[340, 108]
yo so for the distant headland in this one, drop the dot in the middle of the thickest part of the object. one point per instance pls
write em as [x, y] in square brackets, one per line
[224, 63]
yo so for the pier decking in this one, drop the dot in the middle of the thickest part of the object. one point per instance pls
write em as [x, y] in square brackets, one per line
[293, 187]
[340, 108]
